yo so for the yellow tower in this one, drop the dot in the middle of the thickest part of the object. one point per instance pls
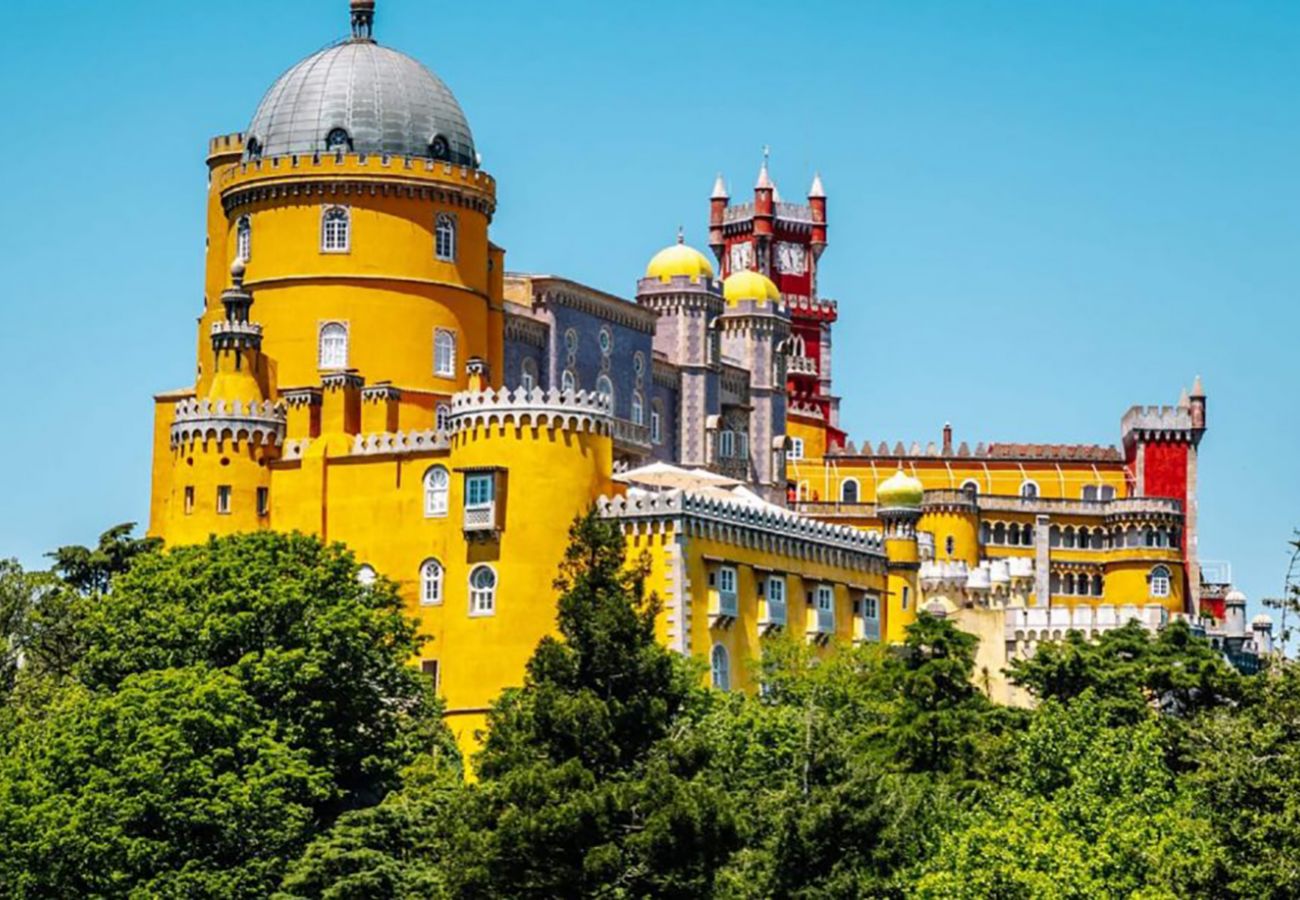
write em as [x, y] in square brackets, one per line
[900, 499]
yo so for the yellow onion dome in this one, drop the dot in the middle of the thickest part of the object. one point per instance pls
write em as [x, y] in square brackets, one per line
[750, 285]
[900, 489]
[679, 259]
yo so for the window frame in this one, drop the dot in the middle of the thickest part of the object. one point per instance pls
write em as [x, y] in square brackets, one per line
[568, 381]
[474, 497]
[720, 668]
[857, 490]
[433, 577]
[637, 409]
[244, 238]
[444, 232]
[432, 492]
[656, 425]
[1032, 487]
[528, 373]
[335, 212]
[477, 595]
[796, 448]
[345, 332]
[1161, 582]
[444, 353]
[225, 499]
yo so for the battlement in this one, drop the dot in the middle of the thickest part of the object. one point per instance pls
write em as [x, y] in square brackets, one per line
[1023, 452]
[811, 307]
[763, 521]
[221, 420]
[226, 144]
[1120, 508]
[679, 284]
[570, 410]
[988, 575]
[400, 443]
[1148, 422]
[414, 174]
[1051, 623]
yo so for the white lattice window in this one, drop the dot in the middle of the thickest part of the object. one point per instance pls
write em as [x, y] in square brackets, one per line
[333, 346]
[1029, 490]
[445, 237]
[437, 482]
[638, 409]
[606, 387]
[444, 353]
[244, 239]
[796, 448]
[568, 381]
[720, 663]
[430, 582]
[482, 591]
[335, 233]
[442, 417]
[1160, 582]
[656, 427]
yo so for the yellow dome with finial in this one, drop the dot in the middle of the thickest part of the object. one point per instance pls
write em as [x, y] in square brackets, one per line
[900, 489]
[679, 259]
[750, 285]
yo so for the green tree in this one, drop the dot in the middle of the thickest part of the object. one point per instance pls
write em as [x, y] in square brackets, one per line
[90, 570]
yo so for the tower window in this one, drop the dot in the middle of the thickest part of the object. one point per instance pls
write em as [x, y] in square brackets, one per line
[638, 408]
[949, 545]
[482, 591]
[189, 500]
[244, 239]
[223, 499]
[430, 582]
[442, 417]
[720, 664]
[263, 501]
[796, 448]
[1160, 581]
[439, 148]
[436, 484]
[849, 492]
[970, 488]
[338, 139]
[606, 341]
[568, 381]
[333, 346]
[444, 353]
[606, 387]
[254, 148]
[445, 237]
[335, 234]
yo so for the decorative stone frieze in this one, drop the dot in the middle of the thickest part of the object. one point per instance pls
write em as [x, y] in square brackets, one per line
[201, 420]
[571, 410]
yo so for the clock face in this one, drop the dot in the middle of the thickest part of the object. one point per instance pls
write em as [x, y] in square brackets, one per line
[742, 256]
[792, 259]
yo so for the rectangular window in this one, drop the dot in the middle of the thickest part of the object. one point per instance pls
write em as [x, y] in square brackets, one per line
[478, 490]
[1107, 492]
[907, 596]
[796, 448]
[726, 444]
[871, 606]
[429, 669]
[727, 580]
[825, 598]
[189, 500]
[656, 427]
[1090, 492]
[775, 590]
[223, 499]
[263, 501]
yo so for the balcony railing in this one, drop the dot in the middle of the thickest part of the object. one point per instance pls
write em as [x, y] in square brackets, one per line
[821, 622]
[800, 365]
[1059, 505]
[481, 517]
[628, 435]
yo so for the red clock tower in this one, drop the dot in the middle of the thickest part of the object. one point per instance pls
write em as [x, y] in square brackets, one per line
[784, 241]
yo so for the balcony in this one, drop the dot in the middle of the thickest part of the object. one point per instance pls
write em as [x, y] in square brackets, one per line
[800, 365]
[481, 518]
[631, 438]
[821, 623]
[771, 615]
[724, 606]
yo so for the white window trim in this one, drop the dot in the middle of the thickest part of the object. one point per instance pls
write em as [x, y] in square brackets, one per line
[569, 381]
[449, 221]
[347, 228]
[320, 345]
[1162, 584]
[1029, 482]
[656, 426]
[857, 490]
[432, 597]
[433, 509]
[444, 367]
[637, 410]
[475, 594]
[720, 668]
[796, 448]
[244, 238]
[528, 374]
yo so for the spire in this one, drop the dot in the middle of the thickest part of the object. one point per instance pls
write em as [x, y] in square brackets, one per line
[681, 235]
[1197, 389]
[764, 181]
[719, 189]
[1183, 401]
[816, 190]
[363, 20]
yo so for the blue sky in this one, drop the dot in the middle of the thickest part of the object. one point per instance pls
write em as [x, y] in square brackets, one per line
[1041, 213]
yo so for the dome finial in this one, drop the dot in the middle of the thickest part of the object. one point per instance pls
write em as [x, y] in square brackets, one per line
[363, 20]
[681, 235]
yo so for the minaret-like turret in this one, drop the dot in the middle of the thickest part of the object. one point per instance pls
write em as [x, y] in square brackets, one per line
[817, 202]
[717, 217]
[363, 20]
[899, 499]
[764, 218]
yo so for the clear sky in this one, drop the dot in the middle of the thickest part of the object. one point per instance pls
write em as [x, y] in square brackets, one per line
[1040, 213]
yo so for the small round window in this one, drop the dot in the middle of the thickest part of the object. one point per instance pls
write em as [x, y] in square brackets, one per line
[571, 341]
[439, 148]
[606, 342]
[337, 139]
[638, 362]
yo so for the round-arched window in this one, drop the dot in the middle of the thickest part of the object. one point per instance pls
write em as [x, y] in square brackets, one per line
[437, 482]
[482, 591]
[849, 491]
[721, 666]
[430, 582]
[338, 139]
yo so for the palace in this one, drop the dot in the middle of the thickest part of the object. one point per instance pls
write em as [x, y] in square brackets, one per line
[369, 371]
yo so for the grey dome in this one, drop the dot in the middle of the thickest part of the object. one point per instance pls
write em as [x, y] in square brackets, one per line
[384, 102]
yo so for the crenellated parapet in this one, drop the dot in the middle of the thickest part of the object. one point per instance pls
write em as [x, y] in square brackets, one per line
[570, 410]
[234, 335]
[768, 528]
[202, 420]
[1159, 423]
[400, 443]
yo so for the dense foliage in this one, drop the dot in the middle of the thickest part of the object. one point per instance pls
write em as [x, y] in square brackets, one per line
[239, 719]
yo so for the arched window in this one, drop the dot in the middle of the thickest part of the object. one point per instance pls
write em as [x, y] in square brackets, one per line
[568, 381]
[1067, 537]
[338, 139]
[1097, 586]
[1029, 490]
[999, 533]
[528, 374]
[638, 408]
[721, 666]
[439, 148]
[1055, 583]
[366, 574]
[1084, 536]
[444, 353]
[244, 239]
[1027, 536]
[444, 231]
[1159, 582]
[333, 352]
[970, 488]
[1054, 536]
[442, 417]
[1148, 537]
[656, 423]
[986, 533]
[1069, 582]
[254, 148]
[849, 490]
[1013, 534]
[949, 545]
[605, 386]
[796, 448]
[482, 591]
[436, 484]
[430, 582]
[335, 234]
